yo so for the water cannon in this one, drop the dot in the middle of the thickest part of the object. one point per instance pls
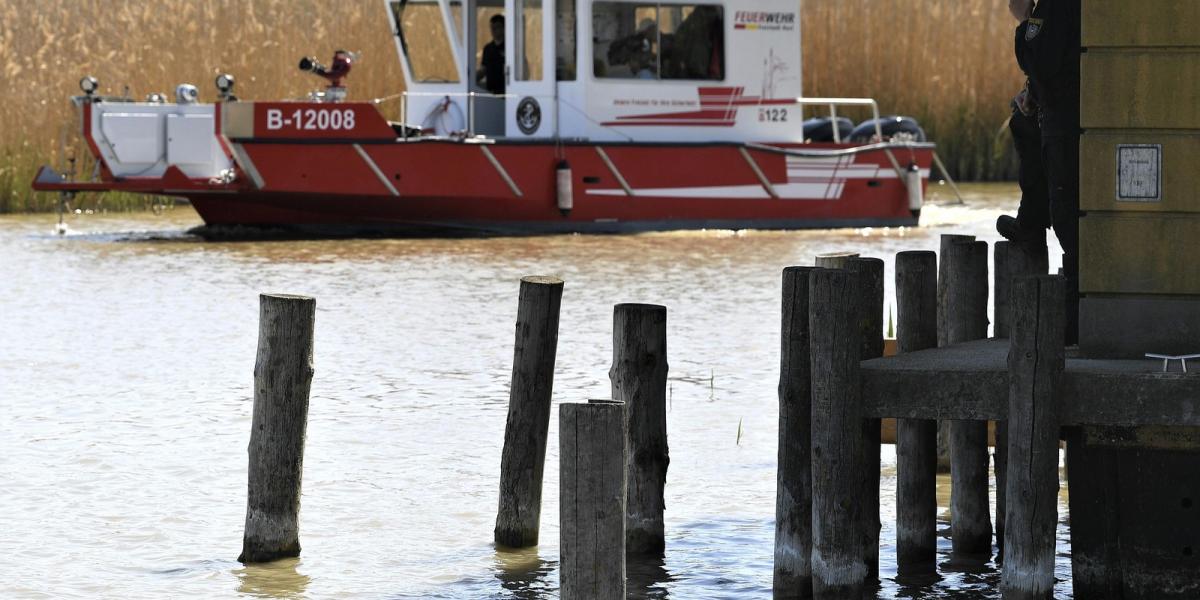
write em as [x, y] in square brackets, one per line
[337, 71]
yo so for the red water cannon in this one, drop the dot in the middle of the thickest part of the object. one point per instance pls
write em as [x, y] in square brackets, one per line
[335, 73]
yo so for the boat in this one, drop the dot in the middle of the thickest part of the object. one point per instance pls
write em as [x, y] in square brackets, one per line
[591, 116]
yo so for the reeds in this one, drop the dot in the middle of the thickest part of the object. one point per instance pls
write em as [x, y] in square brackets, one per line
[948, 62]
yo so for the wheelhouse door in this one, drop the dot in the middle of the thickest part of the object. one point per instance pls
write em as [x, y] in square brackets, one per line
[530, 98]
[430, 41]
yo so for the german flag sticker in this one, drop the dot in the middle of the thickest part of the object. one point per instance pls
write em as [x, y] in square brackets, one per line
[1032, 28]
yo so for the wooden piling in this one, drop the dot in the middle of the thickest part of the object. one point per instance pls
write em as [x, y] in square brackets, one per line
[639, 379]
[524, 455]
[1036, 360]
[793, 496]
[964, 304]
[869, 299]
[592, 489]
[1010, 261]
[838, 555]
[946, 241]
[916, 439]
[283, 373]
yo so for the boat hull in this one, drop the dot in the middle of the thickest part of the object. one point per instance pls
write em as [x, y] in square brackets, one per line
[451, 187]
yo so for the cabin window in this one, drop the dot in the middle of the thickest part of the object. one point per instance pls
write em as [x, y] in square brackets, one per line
[564, 55]
[658, 41]
[456, 15]
[529, 35]
[425, 41]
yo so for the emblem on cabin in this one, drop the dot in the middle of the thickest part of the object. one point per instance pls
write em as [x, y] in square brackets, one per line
[529, 115]
[1033, 29]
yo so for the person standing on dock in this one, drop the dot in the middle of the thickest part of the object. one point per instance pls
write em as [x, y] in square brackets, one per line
[1047, 48]
[1033, 213]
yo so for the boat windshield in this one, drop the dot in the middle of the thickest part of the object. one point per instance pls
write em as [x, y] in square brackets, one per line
[425, 41]
[658, 41]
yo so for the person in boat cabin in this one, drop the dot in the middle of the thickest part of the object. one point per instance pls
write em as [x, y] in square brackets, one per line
[491, 70]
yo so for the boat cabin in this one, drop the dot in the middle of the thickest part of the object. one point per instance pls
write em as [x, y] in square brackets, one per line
[601, 70]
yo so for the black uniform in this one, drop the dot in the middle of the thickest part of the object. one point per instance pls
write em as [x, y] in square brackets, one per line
[1033, 214]
[493, 67]
[1048, 48]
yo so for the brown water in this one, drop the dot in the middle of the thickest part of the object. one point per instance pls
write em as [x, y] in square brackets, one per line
[126, 358]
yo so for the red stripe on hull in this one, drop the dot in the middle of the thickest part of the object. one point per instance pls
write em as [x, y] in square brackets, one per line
[447, 185]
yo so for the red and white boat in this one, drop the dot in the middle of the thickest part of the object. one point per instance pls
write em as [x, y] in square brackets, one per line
[615, 116]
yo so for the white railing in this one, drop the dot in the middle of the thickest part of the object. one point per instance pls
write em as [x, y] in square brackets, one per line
[831, 103]
[470, 112]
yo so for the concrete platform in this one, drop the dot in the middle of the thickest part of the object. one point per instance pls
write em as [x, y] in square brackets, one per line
[970, 381]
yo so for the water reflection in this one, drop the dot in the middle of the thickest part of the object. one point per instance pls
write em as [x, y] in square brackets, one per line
[646, 577]
[523, 573]
[278, 579]
[414, 361]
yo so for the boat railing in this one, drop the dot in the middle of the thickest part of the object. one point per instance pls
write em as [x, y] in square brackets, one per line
[832, 103]
[470, 96]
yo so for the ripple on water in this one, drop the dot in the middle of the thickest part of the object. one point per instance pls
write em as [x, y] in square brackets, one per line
[126, 387]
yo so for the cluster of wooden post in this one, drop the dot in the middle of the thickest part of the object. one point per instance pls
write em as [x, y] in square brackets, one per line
[827, 511]
[613, 453]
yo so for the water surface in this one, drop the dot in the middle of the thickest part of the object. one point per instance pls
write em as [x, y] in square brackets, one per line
[126, 361]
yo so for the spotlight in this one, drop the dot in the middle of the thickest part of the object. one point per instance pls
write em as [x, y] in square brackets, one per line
[224, 83]
[89, 85]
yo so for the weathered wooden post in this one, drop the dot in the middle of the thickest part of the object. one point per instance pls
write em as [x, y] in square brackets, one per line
[838, 556]
[868, 300]
[946, 241]
[592, 495]
[639, 379]
[916, 439]
[964, 304]
[793, 495]
[524, 455]
[283, 373]
[1011, 261]
[1035, 364]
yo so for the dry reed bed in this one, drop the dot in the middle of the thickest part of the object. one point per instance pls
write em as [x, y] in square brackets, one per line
[948, 63]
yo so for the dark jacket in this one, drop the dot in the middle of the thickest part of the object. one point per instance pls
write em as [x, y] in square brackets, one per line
[493, 67]
[1048, 49]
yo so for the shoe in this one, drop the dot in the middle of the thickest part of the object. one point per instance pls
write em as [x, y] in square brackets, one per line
[1013, 231]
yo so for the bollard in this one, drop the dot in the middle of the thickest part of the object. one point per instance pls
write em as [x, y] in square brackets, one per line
[965, 306]
[793, 496]
[639, 379]
[524, 456]
[283, 371]
[592, 496]
[1035, 364]
[838, 556]
[916, 439]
